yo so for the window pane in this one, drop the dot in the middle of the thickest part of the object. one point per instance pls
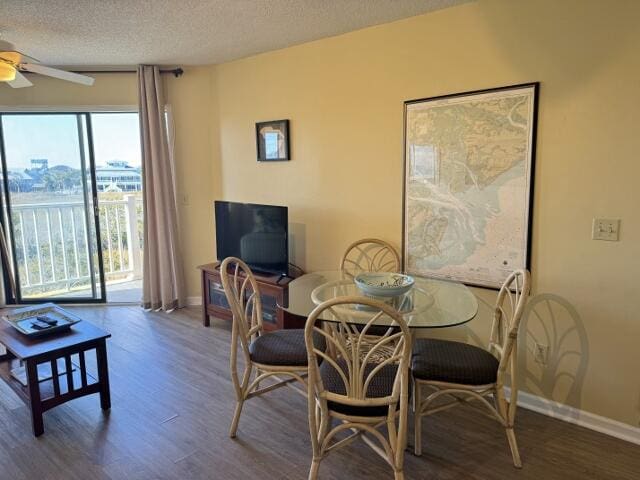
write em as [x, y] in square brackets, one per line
[52, 225]
[116, 139]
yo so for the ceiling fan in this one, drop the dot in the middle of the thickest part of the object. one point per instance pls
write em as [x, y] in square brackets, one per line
[12, 65]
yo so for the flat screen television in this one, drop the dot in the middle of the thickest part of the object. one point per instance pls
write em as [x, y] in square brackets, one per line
[258, 234]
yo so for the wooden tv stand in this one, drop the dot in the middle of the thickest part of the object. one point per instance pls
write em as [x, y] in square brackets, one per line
[273, 291]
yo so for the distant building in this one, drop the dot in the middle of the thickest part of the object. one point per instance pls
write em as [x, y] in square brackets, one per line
[118, 176]
[19, 181]
[39, 168]
[40, 163]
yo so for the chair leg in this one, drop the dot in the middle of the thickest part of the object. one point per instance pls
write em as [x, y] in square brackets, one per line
[495, 402]
[236, 419]
[258, 373]
[393, 438]
[398, 446]
[503, 410]
[417, 418]
[515, 453]
[313, 472]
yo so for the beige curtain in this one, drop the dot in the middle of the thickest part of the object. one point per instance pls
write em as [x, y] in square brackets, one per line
[162, 279]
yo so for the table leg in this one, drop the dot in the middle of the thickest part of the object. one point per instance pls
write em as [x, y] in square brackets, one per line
[103, 375]
[35, 403]
[206, 321]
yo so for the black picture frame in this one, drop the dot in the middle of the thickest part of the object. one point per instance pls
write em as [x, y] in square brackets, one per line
[272, 141]
[535, 87]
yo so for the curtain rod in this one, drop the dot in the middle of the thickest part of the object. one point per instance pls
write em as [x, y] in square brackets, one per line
[177, 72]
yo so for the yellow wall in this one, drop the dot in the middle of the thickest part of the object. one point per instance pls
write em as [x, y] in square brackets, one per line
[191, 107]
[191, 104]
[344, 96]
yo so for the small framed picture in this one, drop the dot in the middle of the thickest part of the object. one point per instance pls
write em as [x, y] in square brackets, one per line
[272, 141]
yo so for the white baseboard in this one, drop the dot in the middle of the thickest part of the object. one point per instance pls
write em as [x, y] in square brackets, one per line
[569, 414]
[194, 301]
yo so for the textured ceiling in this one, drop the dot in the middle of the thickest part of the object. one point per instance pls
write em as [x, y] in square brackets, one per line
[187, 32]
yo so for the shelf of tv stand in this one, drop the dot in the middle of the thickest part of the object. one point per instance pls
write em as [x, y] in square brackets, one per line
[273, 291]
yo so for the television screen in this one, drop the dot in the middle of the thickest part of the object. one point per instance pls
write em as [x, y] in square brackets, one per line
[258, 234]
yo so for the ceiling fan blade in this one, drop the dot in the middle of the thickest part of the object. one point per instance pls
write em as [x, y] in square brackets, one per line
[24, 56]
[56, 73]
[16, 56]
[20, 81]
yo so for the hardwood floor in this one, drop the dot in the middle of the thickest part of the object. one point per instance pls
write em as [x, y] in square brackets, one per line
[172, 402]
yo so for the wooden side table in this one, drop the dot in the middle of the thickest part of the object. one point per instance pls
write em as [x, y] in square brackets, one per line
[273, 292]
[55, 352]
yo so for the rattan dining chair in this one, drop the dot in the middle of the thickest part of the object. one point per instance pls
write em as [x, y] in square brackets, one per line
[281, 353]
[362, 384]
[467, 373]
[370, 255]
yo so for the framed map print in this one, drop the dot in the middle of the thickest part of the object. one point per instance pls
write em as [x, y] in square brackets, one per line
[468, 184]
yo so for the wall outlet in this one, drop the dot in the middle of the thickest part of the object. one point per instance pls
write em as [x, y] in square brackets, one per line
[605, 229]
[540, 353]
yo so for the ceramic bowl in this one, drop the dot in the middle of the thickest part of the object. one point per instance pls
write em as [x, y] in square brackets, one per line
[382, 284]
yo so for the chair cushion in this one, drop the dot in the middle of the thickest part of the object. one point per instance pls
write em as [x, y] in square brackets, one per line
[282, 347]
[453, 362]
[380, 386]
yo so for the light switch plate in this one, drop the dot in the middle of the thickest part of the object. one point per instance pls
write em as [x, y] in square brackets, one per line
[606, 229]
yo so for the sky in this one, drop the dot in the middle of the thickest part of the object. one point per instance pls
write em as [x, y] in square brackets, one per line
[55, 137]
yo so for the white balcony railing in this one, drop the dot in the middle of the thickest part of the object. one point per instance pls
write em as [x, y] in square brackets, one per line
[51, 244]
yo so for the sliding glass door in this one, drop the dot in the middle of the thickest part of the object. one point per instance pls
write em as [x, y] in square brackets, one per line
[116, 147]
[51, 214]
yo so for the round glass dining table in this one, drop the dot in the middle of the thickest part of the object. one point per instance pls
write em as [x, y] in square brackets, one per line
[431, 303]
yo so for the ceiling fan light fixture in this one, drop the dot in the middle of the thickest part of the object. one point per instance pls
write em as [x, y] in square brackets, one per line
[7, 72]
